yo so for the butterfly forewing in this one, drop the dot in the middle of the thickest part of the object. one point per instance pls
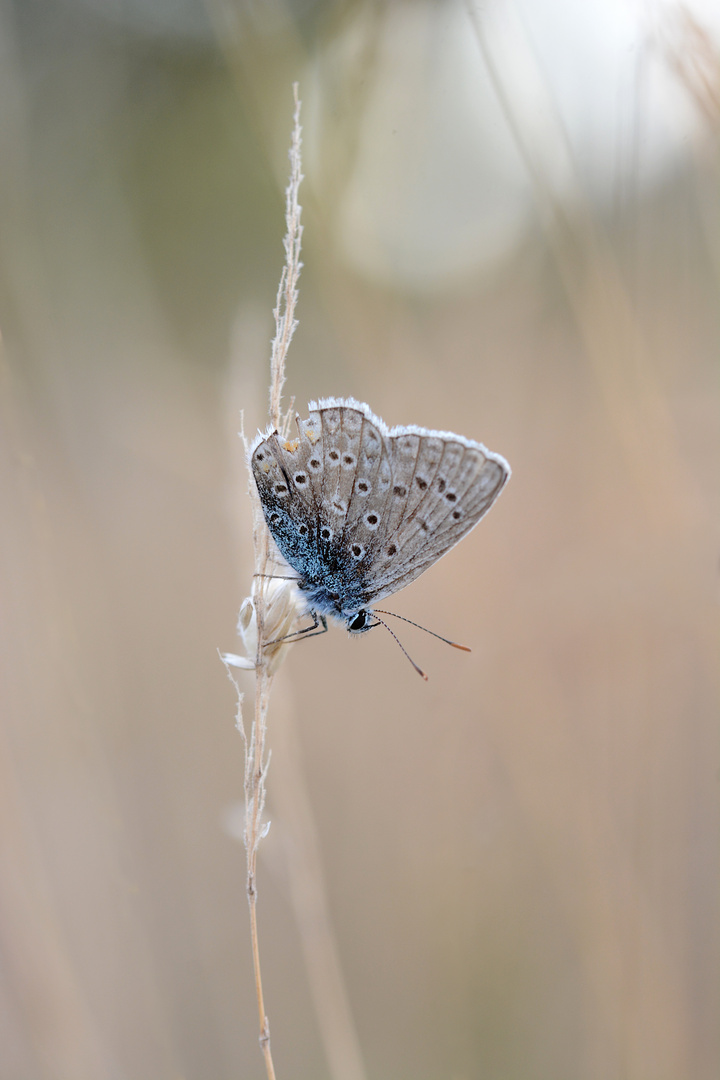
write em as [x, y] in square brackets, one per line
[485, 484]
[427, 461]
[364, 524]
[418, 524]
[465, 485]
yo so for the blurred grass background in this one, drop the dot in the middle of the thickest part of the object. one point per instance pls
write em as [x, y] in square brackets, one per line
[511, 231]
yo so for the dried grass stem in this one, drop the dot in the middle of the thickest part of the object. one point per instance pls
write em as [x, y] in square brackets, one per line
[256, 757]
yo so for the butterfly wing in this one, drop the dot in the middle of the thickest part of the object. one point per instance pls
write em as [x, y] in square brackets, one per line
[287, 501]
[442, 486]
[314, 491]
[360, 511]
[329, 448]
[351, 474]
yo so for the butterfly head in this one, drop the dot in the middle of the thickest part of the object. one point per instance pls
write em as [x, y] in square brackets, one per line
[360, 621]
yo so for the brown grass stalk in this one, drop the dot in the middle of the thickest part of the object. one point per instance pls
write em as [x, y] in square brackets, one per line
[271, 611]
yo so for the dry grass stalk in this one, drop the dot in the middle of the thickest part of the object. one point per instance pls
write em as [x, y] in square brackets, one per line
[271, 611]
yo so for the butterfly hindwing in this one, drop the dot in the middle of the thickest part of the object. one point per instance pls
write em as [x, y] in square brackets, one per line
[287, 500]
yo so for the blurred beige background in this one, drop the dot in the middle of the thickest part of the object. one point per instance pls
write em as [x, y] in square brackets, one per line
[511, 231]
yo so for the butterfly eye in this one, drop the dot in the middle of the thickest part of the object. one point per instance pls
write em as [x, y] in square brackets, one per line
[400, 491]
[451, 496]
[371, 520]
[334, 456]
[363, 487]
[281, 490]
[392, 550]
[456, 515]
[314, 464]
[421, 483]
[303, 529]
[348, 460]
[326, 533]
[300, 478]
[357, 551]
[441, 485]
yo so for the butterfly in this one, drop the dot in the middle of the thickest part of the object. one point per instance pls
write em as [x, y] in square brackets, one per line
[359, 510]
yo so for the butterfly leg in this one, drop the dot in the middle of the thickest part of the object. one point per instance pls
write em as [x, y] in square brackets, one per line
[306, 632]
[278, 577]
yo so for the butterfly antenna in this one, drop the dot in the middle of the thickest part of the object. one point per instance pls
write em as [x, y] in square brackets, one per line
[454, 644]
[407, 654]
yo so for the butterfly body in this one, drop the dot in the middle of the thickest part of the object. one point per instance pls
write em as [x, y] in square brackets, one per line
[359, 510]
